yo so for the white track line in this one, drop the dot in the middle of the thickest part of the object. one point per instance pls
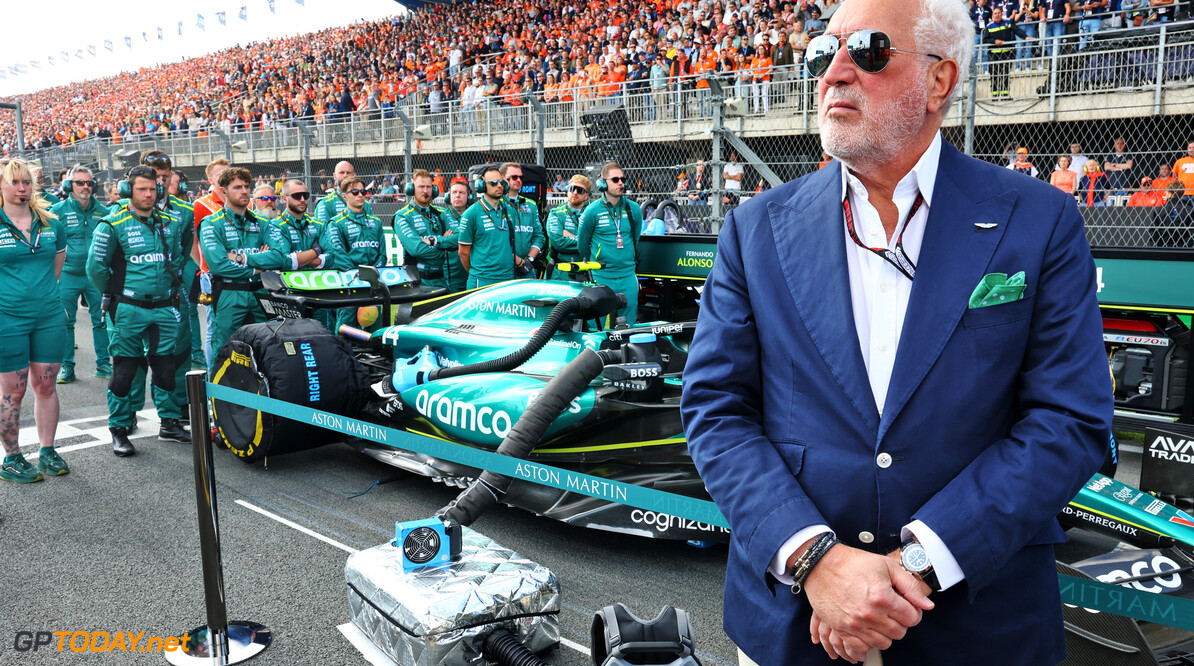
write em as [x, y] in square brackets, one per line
[147, 426]
[294, 525]
[364, 644]
[575, 646]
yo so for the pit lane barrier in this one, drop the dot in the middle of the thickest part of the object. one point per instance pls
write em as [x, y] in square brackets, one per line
[1091, 594]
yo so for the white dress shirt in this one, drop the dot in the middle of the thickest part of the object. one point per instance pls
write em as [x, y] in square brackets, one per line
[879, 293]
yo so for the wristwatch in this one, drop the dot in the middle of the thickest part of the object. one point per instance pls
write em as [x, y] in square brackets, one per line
[915, 560]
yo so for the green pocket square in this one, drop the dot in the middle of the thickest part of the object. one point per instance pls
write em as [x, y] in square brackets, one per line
[996, 288]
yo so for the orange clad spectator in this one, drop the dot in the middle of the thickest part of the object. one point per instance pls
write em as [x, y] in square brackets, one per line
[1147, 195]
[1163, 179]
[1184, 169]
[1062, 177]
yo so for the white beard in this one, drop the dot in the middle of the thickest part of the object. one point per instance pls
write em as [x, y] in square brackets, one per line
[881, 134]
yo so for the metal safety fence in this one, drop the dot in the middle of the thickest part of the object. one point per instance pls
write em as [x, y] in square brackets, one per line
[1095, 115]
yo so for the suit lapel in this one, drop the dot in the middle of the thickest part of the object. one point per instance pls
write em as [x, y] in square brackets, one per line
[953, 258]
[812, 256]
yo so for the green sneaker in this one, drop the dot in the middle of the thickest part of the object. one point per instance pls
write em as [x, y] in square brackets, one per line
[18, 470]
[50, 462]
[66, 375]
[104, 372]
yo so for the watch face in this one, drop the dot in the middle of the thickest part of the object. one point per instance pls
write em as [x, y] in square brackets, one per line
[914, 558]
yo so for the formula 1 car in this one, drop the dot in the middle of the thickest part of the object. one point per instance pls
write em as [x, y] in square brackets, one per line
[466, 367]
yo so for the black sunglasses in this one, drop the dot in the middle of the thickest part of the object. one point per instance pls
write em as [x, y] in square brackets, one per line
[578, 189]
[299, 195]
[514, 177]
[356, 193]
[870, 50]
[495, 183]
[617, 179]
[157, 160]
[83, 183]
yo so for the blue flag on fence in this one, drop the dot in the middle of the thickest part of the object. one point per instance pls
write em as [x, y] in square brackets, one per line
[128, 41]
[271, 6]
[199, 21]
[244, 12]
[223, 19]
[108, 44]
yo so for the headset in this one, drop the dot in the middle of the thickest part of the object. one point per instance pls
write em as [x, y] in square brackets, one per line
[409, 190]
[601, 187]
[479, 185]
[68, 181]
[125, 188]
[470, 197]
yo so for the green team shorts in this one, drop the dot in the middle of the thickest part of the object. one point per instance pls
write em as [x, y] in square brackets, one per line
[38, 339]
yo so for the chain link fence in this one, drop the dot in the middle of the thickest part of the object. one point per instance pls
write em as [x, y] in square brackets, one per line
[1118, 103]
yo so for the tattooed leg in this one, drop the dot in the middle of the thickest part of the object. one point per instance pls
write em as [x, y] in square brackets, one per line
[12, 391]
[45, 409]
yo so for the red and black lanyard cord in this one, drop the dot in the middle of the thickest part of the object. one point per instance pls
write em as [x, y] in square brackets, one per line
[897, 257]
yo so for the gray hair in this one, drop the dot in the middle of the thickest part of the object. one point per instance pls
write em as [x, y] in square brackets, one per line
[944, 28]
[77, 169]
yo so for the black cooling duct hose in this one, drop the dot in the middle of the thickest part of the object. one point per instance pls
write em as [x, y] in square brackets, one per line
[490, 487]
[591, 302]
[506, 650]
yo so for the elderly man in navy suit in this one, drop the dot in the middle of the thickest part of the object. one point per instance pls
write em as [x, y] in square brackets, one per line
[898, 377]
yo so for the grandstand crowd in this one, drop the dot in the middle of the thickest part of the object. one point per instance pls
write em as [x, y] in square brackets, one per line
[467, 53]
[471, 55]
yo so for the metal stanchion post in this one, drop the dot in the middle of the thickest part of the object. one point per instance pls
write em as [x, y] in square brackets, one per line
[218, 642]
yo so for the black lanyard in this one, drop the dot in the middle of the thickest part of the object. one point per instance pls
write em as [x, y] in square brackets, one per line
[34, 233]
[499, 225]
[898, 257]
[435, 229]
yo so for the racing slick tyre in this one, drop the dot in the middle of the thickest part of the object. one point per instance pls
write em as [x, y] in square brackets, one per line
[294, 360]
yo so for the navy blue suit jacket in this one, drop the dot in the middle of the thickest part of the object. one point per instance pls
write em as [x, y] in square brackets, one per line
[994, 416]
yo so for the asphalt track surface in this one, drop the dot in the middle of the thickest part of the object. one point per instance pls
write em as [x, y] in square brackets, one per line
[113, 546]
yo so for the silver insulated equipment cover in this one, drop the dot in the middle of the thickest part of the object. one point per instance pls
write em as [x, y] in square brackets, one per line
[440, 616]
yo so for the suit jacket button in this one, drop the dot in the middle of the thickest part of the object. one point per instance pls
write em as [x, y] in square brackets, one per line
[884, 460]
[866, 537]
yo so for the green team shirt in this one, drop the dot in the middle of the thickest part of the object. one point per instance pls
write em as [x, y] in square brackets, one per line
[184, 213]
[332, 205]
[50, 197]
[27, 268]
[287, 236]
[79, 225]
[225, 231]
[601, 226]
[564, 218]
[528, 230]
[355, 239]
[146, 249]
[412, 223]
[487, 230]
